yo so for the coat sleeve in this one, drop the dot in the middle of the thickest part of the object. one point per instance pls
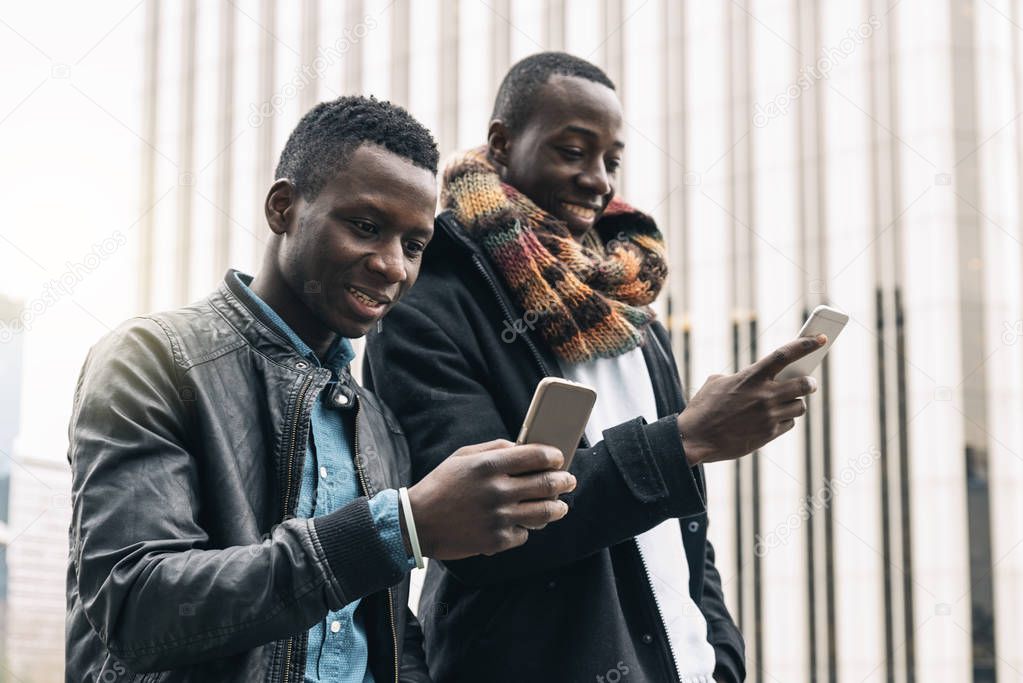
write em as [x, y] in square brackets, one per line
[152, 585]
[628, 483]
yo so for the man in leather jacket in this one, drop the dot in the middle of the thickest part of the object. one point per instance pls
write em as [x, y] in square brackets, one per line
[236, 507]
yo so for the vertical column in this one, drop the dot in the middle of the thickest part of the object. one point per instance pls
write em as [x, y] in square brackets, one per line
[263, 171]
[474, 109]
[611, 51]
[186, 153]
[893, 444]
[354, 13]
[150, 88]
[673, 83]
[1003, 258]
[817, 466]
[400, 52]
[614, 51]
[738, 163]
[974, 349]
[225, 140]
[705, 183]
[778, 301]
[500, 45]
[931, 294]
[309, 39]
[840, 71]
[449, 76]
[554, 25]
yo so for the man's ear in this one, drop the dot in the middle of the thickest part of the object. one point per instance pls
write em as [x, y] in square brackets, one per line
[498, 143]
[280, 205]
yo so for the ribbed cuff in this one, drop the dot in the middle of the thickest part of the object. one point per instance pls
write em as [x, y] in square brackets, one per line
[357, 555]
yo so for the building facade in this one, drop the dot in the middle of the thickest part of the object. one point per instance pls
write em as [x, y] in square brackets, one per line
[862, 154]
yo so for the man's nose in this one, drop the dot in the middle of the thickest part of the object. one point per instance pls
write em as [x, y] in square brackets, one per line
[389, 263]
[595, 179]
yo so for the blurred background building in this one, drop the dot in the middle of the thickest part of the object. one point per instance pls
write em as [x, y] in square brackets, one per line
[864, 154]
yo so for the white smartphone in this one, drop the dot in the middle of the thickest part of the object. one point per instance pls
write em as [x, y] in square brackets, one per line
[823, 320]
[557, 415]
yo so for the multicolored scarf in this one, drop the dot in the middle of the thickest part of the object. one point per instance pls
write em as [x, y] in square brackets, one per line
[587, 300]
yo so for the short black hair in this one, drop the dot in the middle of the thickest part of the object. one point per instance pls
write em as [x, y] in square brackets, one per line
[328, 134]
[517, 97]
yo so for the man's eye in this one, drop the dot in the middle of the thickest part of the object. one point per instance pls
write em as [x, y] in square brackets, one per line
[365, 227]
[415, 248]
[612, 165]
[573, 153]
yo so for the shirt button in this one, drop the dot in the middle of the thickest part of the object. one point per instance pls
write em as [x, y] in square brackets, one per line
[323, 472]
[341, 400]
[301, 365]
[647, 638]
[694, 526]
[335, 626]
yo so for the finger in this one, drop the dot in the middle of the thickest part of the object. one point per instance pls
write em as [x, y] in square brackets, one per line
[547, 484]
[528, 458]
[792, 389]
[792, 409]
[538, 513]
[484, 447]
[773, 363]
[784, 427]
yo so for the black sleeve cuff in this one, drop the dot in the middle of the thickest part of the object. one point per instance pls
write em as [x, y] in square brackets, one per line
[684, 497]
[655, 469]
[358, 558]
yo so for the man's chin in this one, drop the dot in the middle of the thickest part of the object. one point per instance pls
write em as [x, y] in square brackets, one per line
[353, 328]
[576, 226]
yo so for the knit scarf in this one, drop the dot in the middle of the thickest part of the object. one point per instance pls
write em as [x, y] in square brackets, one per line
[586, 301]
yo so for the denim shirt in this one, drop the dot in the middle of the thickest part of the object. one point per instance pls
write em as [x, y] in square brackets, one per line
[337, 651]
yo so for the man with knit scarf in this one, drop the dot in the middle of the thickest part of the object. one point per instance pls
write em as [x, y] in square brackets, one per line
[537, 269]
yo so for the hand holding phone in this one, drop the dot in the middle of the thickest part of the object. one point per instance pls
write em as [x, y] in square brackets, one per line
[557, 415]
[823, 320]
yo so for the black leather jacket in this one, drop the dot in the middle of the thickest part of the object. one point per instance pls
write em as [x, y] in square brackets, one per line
[186, 560]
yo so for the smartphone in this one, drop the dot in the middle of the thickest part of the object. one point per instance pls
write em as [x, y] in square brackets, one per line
[557, 415]
[823, 320]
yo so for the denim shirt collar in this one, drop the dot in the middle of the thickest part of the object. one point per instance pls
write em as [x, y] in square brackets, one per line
[337, 357]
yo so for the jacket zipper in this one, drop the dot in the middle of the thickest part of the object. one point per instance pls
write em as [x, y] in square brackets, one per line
[365, 491]
[657, 604]
[287, 493]
[642, 560]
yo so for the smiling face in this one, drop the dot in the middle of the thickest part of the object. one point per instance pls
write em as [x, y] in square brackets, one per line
[348, 254]
[566, 156]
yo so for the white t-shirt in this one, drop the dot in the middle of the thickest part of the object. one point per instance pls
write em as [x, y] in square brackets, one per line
[624, 392]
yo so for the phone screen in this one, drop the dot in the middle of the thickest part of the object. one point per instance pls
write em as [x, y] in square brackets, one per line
[823, 320]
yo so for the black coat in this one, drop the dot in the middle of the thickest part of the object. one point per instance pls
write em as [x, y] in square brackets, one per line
[457, 363]
[187, 440]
